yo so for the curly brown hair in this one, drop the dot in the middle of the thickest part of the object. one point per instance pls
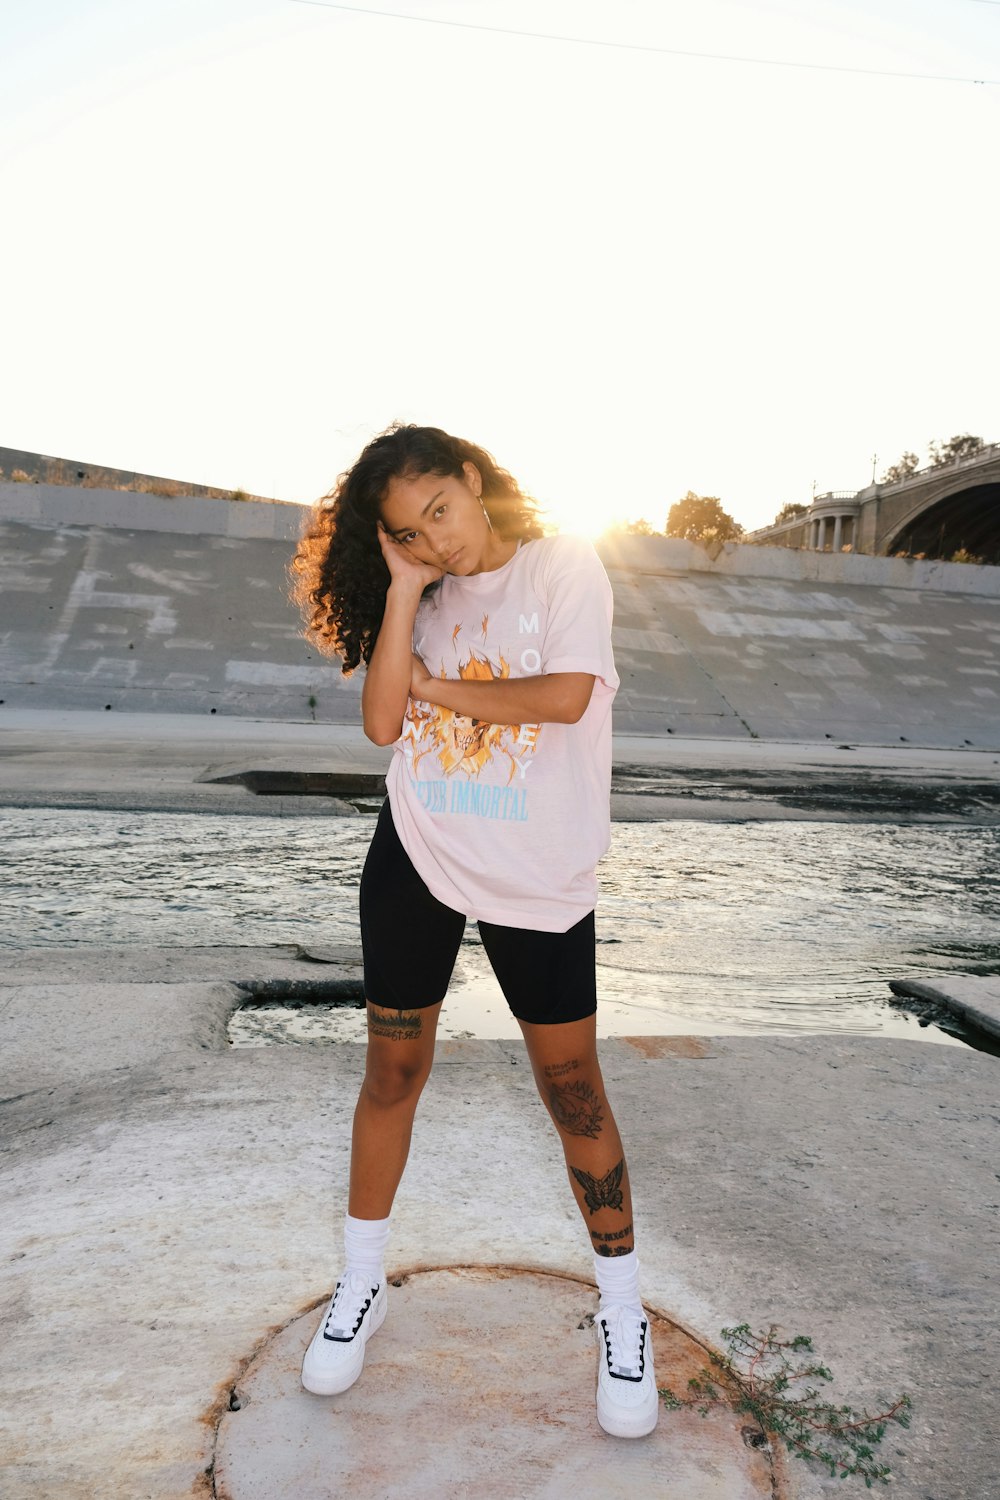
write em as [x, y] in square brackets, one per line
[339, 577]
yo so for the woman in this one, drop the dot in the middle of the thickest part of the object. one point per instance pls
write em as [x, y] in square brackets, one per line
[490, 672]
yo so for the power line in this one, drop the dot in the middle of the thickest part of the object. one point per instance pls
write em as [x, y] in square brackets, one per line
[588, 41]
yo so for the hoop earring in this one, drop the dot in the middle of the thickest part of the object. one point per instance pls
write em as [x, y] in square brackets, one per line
[485, 511]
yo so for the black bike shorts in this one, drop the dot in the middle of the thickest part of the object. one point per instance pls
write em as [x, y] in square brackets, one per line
[410, 941]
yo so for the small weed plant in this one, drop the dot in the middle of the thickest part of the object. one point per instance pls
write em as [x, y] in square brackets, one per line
[815, 1430]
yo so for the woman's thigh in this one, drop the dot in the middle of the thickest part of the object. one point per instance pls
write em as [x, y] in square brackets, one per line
[409, 939]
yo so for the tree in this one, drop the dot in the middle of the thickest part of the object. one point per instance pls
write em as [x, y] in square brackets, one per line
[790, 511]
[964, 445]
[901, 469]
[700, 518]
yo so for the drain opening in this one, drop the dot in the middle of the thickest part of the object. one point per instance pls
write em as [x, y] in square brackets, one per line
[302, 991]
[277, 783]
[299, 1012]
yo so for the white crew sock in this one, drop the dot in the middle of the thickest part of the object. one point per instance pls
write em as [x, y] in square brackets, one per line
[618, 1280]
[364, 1247]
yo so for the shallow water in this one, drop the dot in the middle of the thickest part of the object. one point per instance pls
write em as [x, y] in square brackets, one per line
[703, 928]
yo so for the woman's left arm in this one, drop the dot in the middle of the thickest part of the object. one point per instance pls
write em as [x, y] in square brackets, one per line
[550, 698]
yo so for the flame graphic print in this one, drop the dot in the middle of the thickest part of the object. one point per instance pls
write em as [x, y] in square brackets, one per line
[463, 744]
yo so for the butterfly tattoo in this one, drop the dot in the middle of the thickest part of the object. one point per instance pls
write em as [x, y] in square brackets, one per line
[602, 1192]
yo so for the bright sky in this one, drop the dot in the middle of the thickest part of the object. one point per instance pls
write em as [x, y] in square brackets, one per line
[242, 236]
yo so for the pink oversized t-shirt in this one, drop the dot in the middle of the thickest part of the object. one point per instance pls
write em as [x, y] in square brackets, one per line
[506, 822]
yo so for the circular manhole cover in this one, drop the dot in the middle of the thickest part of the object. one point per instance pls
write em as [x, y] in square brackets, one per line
[480, 1383]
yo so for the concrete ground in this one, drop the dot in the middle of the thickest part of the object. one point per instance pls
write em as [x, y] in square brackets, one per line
[169, 1202]
[484, 1365]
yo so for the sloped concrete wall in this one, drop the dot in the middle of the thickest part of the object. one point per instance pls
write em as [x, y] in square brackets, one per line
[158, 621]
[703, 655]
[660, 556]
[63, 504]
[761, 642]
[45, 468]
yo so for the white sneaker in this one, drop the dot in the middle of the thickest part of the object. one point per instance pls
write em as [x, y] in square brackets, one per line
[627, 1400]
[336, 1356]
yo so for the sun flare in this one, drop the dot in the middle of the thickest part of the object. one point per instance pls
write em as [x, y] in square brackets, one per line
[582, 514]
[583, 493]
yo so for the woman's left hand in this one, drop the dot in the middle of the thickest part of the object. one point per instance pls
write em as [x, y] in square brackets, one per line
[420, 678]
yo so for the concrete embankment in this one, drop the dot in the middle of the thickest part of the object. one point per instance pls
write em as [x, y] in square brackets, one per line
[137, 602]
[198, 763]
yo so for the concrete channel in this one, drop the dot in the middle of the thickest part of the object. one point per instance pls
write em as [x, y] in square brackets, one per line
[170, 1204]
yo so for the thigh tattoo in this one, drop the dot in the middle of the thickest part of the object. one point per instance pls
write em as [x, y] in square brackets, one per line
[395, 1025]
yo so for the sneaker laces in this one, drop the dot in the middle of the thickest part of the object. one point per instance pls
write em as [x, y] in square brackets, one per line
[351, 1301]
[624, 1342]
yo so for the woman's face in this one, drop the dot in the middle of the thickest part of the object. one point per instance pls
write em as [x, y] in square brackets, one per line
[440, 519]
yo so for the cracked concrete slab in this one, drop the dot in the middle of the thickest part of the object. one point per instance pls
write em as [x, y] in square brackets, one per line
[168, 1203]
[62, 1033]
[971, 997]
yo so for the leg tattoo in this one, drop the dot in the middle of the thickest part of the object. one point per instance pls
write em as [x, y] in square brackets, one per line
[608, 1244]
[576, 1108]
[395, 1025]
[602, 1192]
[559, 1070]
[616, 1234]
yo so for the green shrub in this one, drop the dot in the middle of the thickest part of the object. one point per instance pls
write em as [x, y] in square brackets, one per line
[814, 1430]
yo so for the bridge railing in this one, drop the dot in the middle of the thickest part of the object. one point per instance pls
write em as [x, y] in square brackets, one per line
[990, 451]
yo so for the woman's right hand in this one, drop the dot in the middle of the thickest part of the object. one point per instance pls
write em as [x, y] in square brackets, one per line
[386, 690]
[405, 569]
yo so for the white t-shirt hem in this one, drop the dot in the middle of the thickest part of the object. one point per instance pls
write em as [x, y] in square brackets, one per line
[560, 918]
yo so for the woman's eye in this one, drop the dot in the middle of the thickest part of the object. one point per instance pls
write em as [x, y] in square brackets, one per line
[440, 511]
[411, 536]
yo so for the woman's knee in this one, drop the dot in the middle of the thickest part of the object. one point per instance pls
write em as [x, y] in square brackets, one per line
[575, 1099]
[392, 1079]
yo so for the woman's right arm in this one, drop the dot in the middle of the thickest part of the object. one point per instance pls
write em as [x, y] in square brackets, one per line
[387, 679]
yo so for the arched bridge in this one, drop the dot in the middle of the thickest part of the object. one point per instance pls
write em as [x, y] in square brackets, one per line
[937, 512]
